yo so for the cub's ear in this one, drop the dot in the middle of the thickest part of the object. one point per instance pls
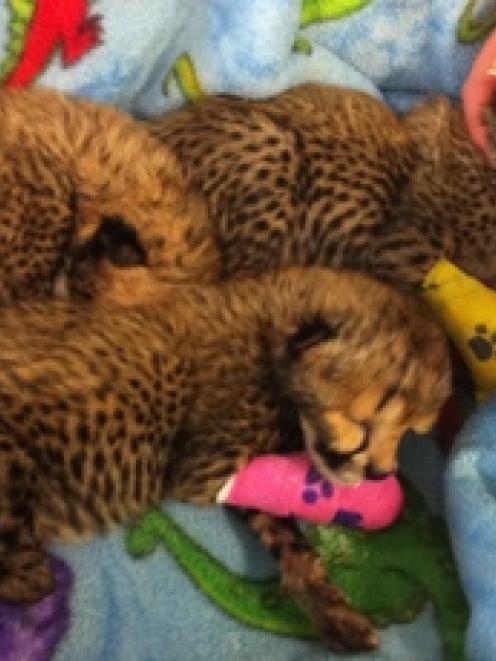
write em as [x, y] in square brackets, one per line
[311, 332]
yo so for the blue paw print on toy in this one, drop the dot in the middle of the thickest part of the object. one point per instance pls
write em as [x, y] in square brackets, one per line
[349, 519]
[316, 487]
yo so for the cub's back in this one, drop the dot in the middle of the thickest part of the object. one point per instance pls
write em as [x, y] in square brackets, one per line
[300, 178]
[326, 176]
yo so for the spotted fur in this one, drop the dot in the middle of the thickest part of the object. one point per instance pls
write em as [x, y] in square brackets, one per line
[95, 209]
[105, 409]
[77, 178]
[326, 176]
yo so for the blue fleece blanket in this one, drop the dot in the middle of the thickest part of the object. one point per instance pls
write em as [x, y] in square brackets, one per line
[148, 57]
[471, 495]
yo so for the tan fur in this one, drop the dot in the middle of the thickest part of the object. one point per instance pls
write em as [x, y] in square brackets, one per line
[67, 164]
[102, 404]
[315, 176]
[106, 409]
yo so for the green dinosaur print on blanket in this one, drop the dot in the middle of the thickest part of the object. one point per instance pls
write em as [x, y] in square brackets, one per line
[316, 11]
[184, 72]
[302, 45]
[477, 21]
[388, 575]
[21, 13]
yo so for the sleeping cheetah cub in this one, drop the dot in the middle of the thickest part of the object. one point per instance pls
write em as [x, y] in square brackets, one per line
[105, 409]
[92, 203]
[88, 196]
[327, 176]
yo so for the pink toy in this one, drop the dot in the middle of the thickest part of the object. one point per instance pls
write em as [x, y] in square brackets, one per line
[288, 485]
[479, 91]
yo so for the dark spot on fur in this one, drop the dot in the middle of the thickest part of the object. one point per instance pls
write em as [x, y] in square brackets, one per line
[16, 472]
[9, 537]
[140, 418]
[99, 461]
[108, 488]
[138, 480]
[77, 465]
[101, 419]
[55, 456]
[83, 433]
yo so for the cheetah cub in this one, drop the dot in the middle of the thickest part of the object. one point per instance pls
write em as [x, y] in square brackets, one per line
[95, 204]
[106, 409]
[321, 175]
[90, 201]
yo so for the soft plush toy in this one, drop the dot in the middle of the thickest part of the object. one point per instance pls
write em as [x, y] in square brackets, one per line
[288, 485]
[467, 309]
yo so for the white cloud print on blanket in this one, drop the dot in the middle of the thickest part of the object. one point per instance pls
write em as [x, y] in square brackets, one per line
[248, 47]
[245, 48]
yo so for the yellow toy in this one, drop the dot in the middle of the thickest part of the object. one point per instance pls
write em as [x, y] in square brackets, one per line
[467, 310]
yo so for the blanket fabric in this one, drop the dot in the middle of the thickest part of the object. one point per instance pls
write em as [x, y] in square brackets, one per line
[148, 57]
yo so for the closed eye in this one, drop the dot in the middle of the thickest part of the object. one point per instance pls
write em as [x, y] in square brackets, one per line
[336, 458]
[389, 394]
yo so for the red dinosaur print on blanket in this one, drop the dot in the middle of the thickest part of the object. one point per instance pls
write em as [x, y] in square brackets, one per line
[55, 23]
